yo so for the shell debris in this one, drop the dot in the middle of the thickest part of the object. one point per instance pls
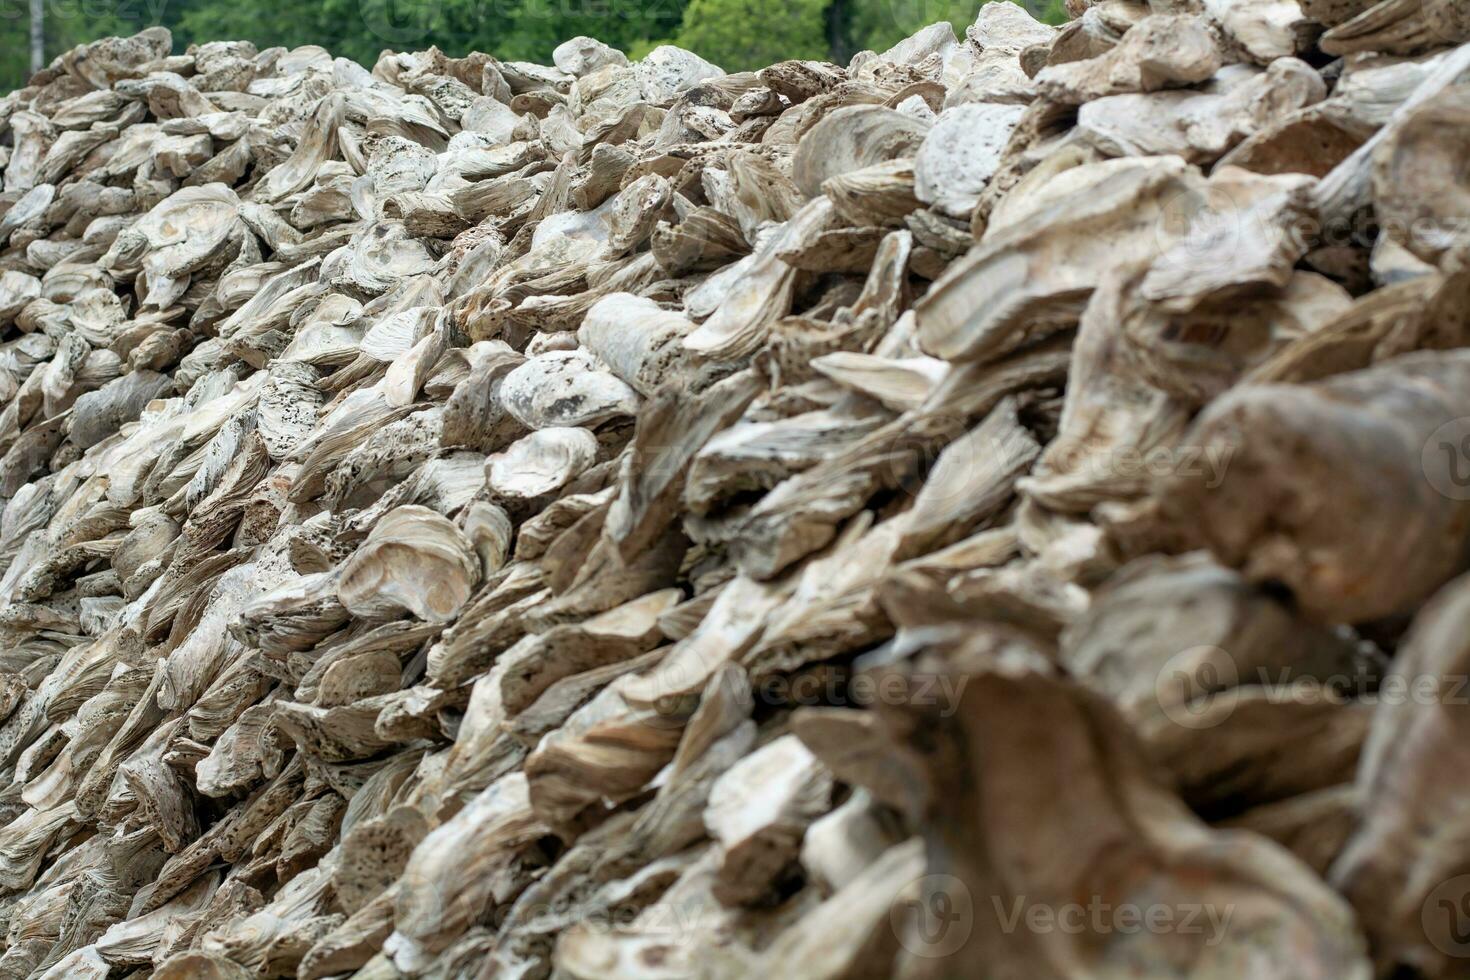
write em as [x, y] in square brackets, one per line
[618, 518]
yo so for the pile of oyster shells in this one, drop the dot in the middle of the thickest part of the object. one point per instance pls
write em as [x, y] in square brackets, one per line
[992, 509]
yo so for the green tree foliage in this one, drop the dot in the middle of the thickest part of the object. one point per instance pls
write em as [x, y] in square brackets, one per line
[68, 23]
[356, 29]
[744, 35]
[735, 34]
[540, 25]
[877, 25]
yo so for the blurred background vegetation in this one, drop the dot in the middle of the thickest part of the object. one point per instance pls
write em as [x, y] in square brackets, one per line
[735, 34]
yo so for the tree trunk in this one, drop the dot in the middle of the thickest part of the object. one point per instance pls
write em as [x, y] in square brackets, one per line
[38, 35]
[837, 42]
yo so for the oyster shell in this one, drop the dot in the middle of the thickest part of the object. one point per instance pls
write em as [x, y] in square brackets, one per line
[541, 463]
[852, 138]
[565, 389]
[960, 154]
[414, 560]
